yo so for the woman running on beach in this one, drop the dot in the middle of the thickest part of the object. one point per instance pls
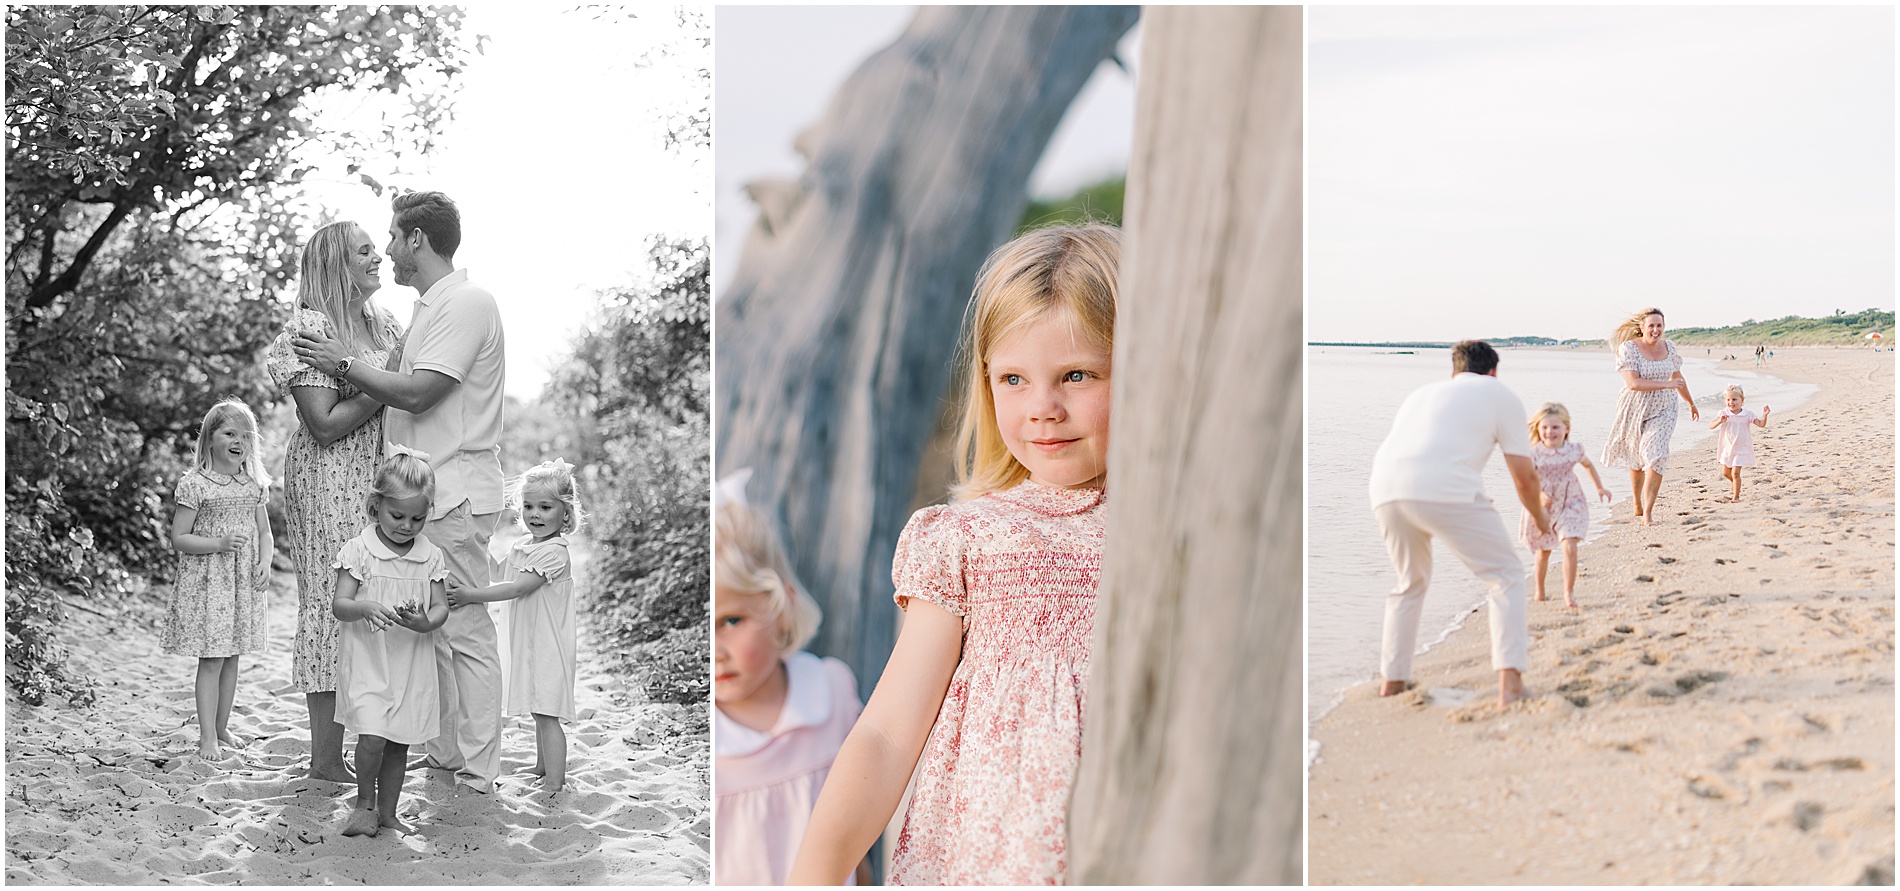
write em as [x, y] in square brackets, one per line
[1646, 410]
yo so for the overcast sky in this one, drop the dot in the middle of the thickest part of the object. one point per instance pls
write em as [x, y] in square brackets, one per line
[778, 66]
[557, 163]
[1499, 171]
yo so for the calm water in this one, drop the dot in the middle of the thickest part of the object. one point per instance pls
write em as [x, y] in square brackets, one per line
[1352, 394]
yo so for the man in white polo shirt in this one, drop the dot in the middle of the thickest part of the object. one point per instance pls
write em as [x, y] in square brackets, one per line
[1427, 481]
[445, 399]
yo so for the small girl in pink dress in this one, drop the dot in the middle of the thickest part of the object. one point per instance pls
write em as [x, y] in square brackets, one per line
[1556, 459]
[782, 713]
[1735, 443]
[989, 675]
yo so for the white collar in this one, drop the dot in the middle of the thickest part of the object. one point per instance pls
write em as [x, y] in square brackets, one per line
[807, 704]
[419, 548]
[458, 276]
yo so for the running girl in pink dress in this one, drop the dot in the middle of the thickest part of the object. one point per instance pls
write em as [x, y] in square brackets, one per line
[1556, 459]
[1735, 443]
[989, 675]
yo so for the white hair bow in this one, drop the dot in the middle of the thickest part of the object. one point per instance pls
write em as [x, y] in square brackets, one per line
[731, 489]
[559, 464]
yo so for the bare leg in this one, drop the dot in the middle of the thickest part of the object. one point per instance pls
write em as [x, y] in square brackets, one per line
[1570, 573]
[1543, 567]
[550, 744]
[1510, 686]
[1636, 491]
[1736, 478]
[369, 767]
[227, 694]
[1652, 484]
[326, 739]
[389, 785]
[207, 691]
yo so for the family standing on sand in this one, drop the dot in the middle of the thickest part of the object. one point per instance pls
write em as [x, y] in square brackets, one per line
[1426, 483]
[393, 489]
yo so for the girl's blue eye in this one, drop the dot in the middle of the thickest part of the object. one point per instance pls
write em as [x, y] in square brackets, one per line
[1012, 379]
[1076, 377]
[729, 621]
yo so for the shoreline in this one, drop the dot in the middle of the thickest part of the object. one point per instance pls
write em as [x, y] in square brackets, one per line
[1698, 722]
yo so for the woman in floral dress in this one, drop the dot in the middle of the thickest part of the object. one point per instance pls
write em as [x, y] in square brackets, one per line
[1646, 410]
[330, 458]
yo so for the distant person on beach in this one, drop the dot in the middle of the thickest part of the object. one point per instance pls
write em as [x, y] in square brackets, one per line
[1759, 359]
[1735, 443]
[390, 598]
[330, 457]
[222, 535]
[1646, 410]
[988, 679]
[1556, 458]
[1427, 482]
[542, 633]
[781, 713]
[445, 399]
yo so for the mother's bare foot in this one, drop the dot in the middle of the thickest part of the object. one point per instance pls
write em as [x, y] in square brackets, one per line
[363, 821]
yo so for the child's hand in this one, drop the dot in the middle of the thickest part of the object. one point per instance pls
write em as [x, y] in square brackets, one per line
[263, 574]
[379, 617]
[458, 594]
[1604, 494]
[410, 615]
[231, 541]
[1764, 412]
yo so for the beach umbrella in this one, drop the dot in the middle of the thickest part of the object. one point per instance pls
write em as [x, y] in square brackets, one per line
[1873, 335]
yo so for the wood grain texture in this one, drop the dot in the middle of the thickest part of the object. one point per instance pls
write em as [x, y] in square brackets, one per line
[1191, 755]
[836, 334]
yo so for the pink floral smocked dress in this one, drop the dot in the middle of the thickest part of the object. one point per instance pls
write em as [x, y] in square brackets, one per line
[1569, 510]
[992, 788]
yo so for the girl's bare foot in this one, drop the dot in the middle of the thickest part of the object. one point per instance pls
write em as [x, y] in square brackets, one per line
[391, 822]
[339, 774]
[1570, 601]
[550, 786]
[231, 740]
[536, 770]
[208, 750]
[363, 821]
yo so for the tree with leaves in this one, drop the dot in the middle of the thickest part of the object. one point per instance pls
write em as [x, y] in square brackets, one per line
[154, 156]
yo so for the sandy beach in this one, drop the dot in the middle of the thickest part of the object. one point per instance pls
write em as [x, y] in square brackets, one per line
[115, 794]
[1720, 711]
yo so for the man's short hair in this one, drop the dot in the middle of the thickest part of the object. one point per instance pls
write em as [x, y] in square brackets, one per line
[435, 215]
[1474, 356]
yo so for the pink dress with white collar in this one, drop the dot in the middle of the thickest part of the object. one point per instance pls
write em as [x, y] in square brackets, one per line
[765, 782]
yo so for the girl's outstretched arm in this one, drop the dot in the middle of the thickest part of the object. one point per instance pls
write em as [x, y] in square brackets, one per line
[875, 764]
[1719, 418]
[521, 585]
[1762, 421]
[1597, 480]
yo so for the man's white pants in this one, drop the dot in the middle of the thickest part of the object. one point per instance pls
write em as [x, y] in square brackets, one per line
[468, 657]
[1475, 534]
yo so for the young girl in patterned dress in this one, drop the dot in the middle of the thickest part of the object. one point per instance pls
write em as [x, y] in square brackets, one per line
[222, 535]
[987, 680]
[1735, 444]
[1556, 459]
[389, 598]
[541, 659]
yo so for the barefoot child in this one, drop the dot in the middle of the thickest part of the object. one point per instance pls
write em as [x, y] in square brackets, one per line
[222, 536]
[541, 582]
[987, 680]
[1735, 444]
[389, 598]
[1556, 459]
[782, 712]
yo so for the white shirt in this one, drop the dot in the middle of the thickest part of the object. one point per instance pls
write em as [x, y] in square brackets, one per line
[1442, 437]
[456, 330]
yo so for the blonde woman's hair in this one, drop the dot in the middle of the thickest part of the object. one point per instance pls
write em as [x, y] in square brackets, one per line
[1631, 328]
[405, 474]
[323, 284]
[232, 411]
[1549, 410]
[748, 559]
[1061, 267]
[1737, 390]
[554, 476]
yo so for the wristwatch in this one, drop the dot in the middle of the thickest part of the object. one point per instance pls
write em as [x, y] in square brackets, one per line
[343, 366]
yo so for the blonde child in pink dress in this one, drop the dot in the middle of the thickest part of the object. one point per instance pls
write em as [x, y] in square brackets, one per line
[1734, 442]
[1556, 459]
[983, 694]
[542, 635]
[781, 712]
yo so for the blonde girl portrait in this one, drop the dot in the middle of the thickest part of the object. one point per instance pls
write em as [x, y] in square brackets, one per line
[222, 534]
[781, 713]
[1556, 459]
[541, 660]
[983, 693]
[389, 597]
[1734, 441]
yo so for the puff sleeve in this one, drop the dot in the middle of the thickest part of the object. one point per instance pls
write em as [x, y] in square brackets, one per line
[1627, 356]
[438, 566]
[285, 368]
[548, 561]
[929, 560]
[354, 559]
[191, 490]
